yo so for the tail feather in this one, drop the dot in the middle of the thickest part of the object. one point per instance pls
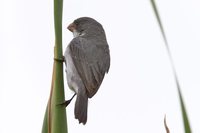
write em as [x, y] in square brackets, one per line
[80, 110]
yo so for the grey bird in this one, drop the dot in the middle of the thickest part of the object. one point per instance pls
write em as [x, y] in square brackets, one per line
[87, 59]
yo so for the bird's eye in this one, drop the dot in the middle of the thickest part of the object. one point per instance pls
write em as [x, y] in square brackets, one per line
[75, 22]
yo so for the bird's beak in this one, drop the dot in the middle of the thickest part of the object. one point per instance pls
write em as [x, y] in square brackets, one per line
[71, 27]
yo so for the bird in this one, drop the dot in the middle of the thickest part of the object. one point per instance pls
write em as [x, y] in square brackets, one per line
[87, 60]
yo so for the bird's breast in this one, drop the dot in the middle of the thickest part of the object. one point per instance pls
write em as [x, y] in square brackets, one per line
[73, 79]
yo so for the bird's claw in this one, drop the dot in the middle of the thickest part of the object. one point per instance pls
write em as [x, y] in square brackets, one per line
[66, 103]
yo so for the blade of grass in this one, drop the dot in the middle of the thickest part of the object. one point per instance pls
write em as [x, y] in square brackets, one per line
[183, 109]
[55, 117]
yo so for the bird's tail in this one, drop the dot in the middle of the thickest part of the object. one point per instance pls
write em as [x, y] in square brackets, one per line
[81, 104]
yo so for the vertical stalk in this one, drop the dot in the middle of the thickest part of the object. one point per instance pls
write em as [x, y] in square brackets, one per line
[183, 109]
[55, 117]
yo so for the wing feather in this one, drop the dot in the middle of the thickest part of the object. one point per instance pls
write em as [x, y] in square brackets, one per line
[91, 61]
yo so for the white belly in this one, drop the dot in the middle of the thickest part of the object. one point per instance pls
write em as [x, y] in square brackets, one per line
[73, 79]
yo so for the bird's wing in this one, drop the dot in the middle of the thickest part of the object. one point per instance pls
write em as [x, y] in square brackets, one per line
[91, 61]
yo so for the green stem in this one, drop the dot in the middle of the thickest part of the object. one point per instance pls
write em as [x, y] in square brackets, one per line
[55, 117]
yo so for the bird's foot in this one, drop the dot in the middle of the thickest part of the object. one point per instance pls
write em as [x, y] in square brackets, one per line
[62, 59]
[66, 103]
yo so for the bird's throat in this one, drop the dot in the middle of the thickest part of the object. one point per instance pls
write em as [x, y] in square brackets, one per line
[77, 34]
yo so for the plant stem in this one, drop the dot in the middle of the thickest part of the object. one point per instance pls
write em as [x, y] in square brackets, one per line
[55, 117]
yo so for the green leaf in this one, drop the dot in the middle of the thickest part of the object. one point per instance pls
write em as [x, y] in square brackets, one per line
[183, 109]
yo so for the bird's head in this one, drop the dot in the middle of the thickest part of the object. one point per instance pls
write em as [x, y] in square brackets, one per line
[85, 26]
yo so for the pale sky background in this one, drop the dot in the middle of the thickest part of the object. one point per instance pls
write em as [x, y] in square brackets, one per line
[139, 89]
